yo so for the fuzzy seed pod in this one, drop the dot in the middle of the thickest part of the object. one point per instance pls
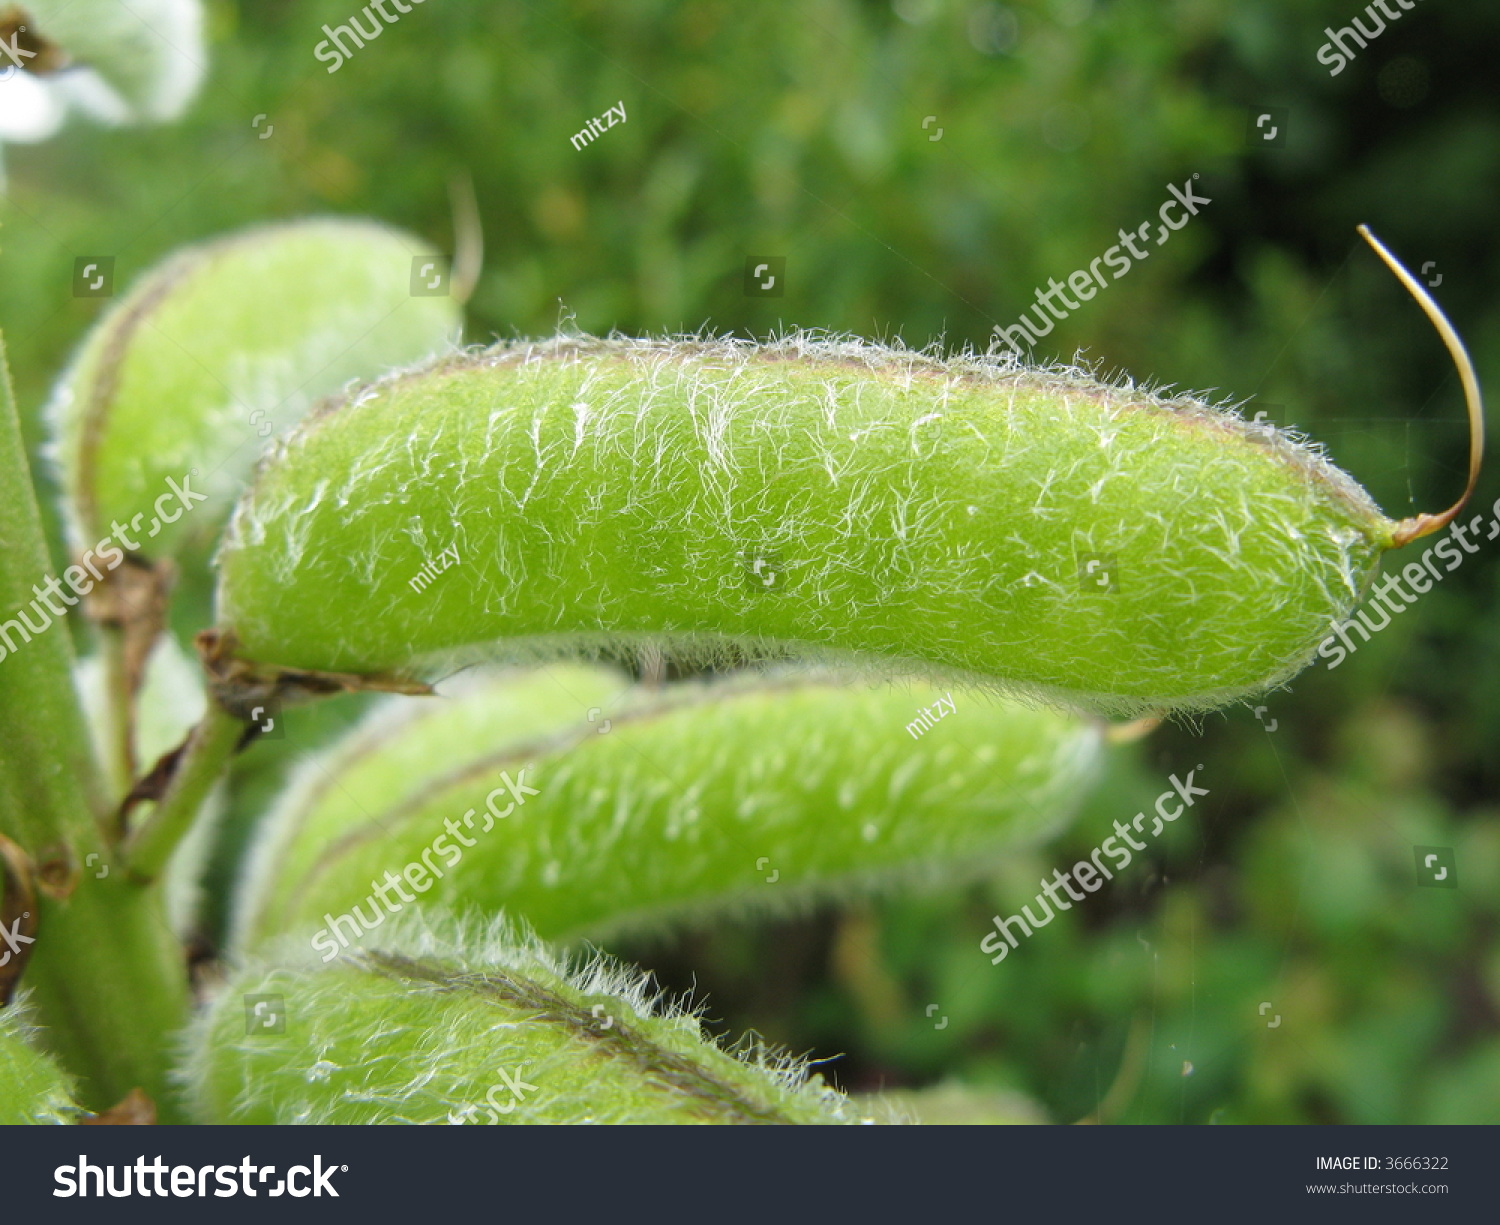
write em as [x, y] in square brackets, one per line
[33, 1089]
[478, 1027]
[967, 518]
[180, 383]
[628, 809]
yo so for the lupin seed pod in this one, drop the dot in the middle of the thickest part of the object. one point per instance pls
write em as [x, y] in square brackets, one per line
[33, 1089]
[179, 384]
[966, 518]
[478, 1030]
[565, 802]
[963, 518]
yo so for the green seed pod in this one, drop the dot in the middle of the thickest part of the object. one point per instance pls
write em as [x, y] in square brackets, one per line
[450, 1029]
[542, 797]
[179, 384]
[965, 518]
[33, 1089]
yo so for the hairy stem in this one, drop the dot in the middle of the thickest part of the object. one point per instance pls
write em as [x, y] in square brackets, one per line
[203, 763]
[107, 975]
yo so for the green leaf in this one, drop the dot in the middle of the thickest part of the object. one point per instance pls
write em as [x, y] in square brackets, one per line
[958, 518]
[474, 1026]
[181, 382]
[577, 805]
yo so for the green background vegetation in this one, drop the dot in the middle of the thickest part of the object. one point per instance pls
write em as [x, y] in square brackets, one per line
[796, 129]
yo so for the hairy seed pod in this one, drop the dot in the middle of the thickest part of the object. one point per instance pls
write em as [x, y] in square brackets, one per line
[33, 1089]
[182, 381]
[478, 1029]
[964, 518]
[638, 807]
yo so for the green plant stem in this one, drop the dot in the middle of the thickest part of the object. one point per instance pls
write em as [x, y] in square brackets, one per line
[107, 975]
[203, 763]
[121, 764]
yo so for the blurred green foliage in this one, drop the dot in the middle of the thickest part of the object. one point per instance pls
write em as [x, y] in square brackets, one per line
[797, 130]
